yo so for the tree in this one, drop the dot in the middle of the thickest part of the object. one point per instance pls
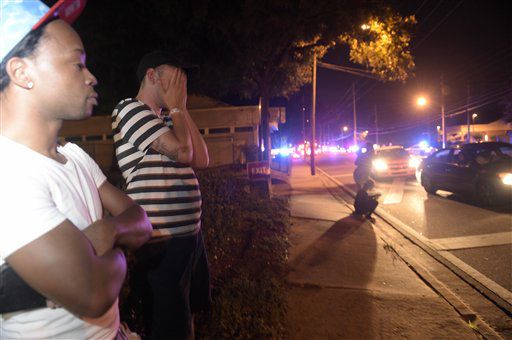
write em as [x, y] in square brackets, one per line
[253, 48]
[265, 48]
[382, 45]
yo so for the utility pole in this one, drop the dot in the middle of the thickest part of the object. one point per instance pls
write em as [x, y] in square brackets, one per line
[304, 126]
[321, 133]
[443, 127]
[313, 118]
[303, 121]
[468, 137]
[376, 125]
[355, 117]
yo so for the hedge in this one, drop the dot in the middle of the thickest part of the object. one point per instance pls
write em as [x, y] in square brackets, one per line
[246, 238]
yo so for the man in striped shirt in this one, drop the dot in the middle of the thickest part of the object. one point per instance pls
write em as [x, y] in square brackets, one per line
[157, 144]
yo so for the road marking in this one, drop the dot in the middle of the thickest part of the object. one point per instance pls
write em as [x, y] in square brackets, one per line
[342, 175]
[403, 228]
[396, 192]
[474, 241]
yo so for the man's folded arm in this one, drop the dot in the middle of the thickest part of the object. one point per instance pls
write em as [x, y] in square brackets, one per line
[63, 266]
[131, 225]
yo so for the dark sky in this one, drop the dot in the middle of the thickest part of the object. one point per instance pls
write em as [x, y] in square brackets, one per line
[468, 43]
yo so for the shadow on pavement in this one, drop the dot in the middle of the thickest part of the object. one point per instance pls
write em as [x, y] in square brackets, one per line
[329, 280]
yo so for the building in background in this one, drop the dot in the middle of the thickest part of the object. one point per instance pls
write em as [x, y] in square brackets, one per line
[495, 131]
[230, 132]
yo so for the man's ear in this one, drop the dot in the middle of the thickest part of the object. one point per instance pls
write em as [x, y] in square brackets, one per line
[18, 71]
[151, 75]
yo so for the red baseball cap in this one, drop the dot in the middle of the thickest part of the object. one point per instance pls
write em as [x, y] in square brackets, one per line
[18, 18]
[67, 10]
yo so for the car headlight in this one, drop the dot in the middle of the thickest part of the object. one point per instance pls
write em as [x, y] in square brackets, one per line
[380, 165]
[414, 162]
[506, 178]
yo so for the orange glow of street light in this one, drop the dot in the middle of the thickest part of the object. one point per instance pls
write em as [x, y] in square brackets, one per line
[365, 27]
[421, 101]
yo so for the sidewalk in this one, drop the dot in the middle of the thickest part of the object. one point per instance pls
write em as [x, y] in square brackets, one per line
[345, 282]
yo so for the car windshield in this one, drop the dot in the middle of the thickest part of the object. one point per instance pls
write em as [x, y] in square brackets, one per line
[506, 150]
[487, 154]
[393, 153]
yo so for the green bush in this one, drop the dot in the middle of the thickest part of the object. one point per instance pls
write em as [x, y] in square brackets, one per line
[246, 237]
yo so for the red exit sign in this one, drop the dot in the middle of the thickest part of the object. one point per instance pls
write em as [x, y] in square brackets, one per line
[258, 170]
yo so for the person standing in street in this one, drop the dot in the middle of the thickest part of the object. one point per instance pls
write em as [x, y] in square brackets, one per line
[63, 260]
[157, 146]
[363, 164]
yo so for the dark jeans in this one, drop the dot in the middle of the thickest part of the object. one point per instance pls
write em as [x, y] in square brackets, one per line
[172, 279]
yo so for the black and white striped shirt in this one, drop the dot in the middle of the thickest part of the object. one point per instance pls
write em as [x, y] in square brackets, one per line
[168, 191]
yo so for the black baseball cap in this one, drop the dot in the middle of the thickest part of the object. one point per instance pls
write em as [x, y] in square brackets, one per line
[157, 58]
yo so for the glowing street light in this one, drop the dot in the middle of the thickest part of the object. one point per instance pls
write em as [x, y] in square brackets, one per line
[473, 117]
[344, 129]
[421, 101]
[365, 27]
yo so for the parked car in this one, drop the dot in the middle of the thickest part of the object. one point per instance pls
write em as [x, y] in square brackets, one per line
[393, 161]
[483, 170]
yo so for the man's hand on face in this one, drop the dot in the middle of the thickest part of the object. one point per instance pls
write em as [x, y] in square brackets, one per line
[174, 86]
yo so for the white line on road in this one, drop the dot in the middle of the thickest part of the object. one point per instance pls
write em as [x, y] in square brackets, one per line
[396, 192]
[502, 292]
[342, 175]
[474, 241]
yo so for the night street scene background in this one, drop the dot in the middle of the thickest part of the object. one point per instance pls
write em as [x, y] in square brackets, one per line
[289, 257]
[468, 43]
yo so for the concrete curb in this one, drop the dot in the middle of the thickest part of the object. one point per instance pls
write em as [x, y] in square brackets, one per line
[460, 306]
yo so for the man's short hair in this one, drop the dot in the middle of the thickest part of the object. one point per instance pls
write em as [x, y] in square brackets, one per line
[25, 48]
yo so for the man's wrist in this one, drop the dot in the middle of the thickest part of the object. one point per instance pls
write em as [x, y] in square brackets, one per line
[175, 110]
[114, 231]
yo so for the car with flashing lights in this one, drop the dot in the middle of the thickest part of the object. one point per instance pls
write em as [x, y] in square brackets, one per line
[393, 161]
[421, 150]
[481, 170]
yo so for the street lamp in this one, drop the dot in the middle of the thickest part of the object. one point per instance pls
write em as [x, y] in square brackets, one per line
[421, 101]
[343, 130]
[473, 117]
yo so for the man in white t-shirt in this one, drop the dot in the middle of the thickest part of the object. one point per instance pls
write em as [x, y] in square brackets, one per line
[53, 233]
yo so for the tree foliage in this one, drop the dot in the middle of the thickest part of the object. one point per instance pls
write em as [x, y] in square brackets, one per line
[265, 47]
[382, 45]
[252, 48]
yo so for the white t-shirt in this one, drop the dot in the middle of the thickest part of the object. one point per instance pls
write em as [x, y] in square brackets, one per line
[38, 193]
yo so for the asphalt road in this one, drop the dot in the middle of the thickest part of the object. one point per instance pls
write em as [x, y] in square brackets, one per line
[479, 239]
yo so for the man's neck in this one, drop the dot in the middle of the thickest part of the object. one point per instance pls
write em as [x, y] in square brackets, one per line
[31, 130]
[149, 101]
